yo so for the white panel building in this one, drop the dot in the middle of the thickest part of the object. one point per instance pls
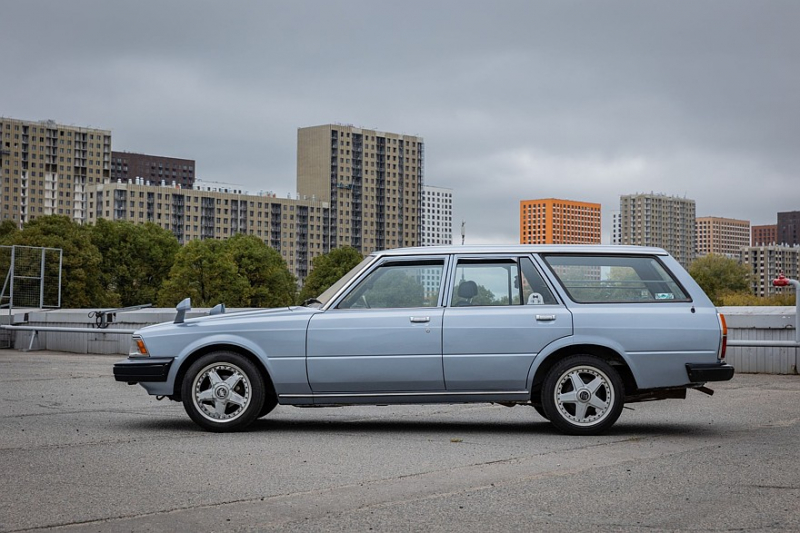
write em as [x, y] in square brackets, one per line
[437, 216]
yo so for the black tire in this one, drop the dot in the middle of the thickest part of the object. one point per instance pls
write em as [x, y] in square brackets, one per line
[223, 391]
[270, 400]
[582, 395]
[540, 410]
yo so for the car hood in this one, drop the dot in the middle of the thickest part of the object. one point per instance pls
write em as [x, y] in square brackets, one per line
[234, 317]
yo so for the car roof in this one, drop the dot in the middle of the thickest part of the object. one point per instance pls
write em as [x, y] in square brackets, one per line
[522, 249]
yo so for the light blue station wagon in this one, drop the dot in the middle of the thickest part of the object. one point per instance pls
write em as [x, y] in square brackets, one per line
[574, 331]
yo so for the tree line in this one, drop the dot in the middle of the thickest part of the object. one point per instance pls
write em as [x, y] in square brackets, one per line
[121, 264]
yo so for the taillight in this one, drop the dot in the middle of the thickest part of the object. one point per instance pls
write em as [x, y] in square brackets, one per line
[723, 345]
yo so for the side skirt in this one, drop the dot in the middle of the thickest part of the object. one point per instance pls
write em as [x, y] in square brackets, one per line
[380, 398]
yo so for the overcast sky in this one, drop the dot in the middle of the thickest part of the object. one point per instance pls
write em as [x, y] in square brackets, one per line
[581, 100]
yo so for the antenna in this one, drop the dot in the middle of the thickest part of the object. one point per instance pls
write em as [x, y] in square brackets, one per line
[463, 231]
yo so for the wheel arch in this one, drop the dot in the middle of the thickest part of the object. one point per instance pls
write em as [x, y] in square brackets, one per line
[229, 347]
[605, 353]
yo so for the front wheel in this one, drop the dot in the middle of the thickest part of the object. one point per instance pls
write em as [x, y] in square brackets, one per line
[582, 395]
[223, 391]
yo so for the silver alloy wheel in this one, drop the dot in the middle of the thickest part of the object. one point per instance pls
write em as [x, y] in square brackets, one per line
[584, 395]
[221, 392]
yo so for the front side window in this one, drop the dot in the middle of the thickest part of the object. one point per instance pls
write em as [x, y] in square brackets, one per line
[397, 285]
[600, 279]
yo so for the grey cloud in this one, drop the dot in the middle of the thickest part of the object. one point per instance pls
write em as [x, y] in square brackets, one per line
[515, 99]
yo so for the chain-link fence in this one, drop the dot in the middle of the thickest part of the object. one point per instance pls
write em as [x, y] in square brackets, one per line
[32, 277]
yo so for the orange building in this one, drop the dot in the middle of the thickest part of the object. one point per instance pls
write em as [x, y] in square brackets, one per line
[554, 221]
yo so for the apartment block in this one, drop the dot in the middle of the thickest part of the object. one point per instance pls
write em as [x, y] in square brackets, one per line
[616, 227]
[721, 236]
[298, 229]
[764, 235]
[45, 168]
[659, 220]
[372, 181]
[789, 228]
[767, 262]
[437, 216]
[158, 170]
[556, 221]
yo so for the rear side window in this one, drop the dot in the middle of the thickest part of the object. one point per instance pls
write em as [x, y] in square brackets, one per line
[614, 278]
[499, 282]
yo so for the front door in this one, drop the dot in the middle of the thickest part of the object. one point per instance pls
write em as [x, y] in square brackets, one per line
[384, 335]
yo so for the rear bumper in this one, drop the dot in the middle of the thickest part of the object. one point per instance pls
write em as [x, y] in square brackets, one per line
[145, 369]
[702, 372]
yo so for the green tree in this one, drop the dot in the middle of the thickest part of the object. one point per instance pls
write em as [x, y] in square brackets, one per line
[749, 299]
[270, 284]
[80, 284]
[719, 276]
[327, 269]
[205, 272]
[136, 259]
[8, 228]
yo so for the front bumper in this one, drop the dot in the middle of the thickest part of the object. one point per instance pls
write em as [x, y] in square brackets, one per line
[702, 372]
[145, 369]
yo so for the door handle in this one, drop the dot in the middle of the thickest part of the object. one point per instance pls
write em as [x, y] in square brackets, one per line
[545, 318]
[419, 319]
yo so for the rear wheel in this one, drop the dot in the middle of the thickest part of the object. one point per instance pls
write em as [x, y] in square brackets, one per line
[582, 395]
[223, 391]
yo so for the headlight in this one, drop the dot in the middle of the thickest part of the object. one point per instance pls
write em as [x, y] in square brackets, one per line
[138, 349]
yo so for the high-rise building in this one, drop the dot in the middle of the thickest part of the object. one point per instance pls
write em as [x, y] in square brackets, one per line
[763, 235]
[659, 220]
[372, 181]
[789, 228]
[437, 216]
[767, 262]
[555, 221]
[158, 170]
[722, 236]
[46, 167]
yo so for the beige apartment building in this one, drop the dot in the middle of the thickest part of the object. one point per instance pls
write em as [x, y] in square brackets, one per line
[722, 236]
[45, 168]
[372, 181]
[356, 187]
[298, 229]
[555, 221]
[659, 220]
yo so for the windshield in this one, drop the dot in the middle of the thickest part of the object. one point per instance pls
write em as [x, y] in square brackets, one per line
[323, 298]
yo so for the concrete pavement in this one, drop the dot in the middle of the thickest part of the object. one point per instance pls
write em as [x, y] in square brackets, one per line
[81, 452]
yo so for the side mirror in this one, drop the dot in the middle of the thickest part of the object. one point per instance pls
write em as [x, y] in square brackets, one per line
[185, 305]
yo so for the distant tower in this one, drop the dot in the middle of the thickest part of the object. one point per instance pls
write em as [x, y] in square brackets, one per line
[555, 221]
[437, 216]
[659, 220]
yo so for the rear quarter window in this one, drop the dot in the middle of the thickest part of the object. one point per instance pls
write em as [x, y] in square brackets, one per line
[614, 278]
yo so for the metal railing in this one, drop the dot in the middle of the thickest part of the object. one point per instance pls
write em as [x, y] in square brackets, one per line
[103, 317]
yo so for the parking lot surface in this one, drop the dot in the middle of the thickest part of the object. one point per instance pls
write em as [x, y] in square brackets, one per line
[81, 452]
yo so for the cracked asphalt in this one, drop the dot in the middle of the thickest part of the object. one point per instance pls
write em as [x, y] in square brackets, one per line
[81, 452]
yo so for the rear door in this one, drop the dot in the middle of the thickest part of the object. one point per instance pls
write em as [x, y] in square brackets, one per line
[500, 315]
